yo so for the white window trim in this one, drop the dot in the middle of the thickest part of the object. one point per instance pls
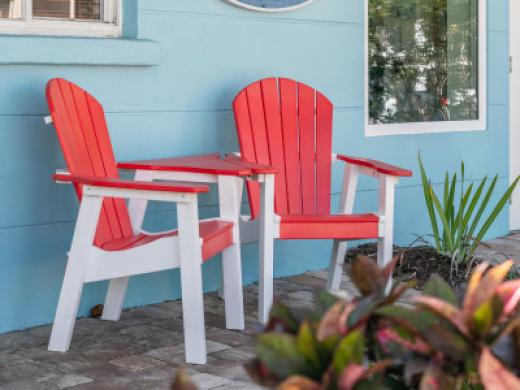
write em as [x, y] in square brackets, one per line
[110, 27]
[440, 126]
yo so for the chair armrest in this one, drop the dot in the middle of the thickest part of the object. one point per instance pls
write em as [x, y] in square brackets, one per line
[204, 164]
[378, 166]
[257, 169]
[124, 184]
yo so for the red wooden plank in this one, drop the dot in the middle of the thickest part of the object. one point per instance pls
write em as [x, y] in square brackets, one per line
[78, 159]
[379, 166]
[210, 165]
[247, 146]
[96, 160]
[348, 227]
[253, 167]
[273, 121]
[99, 124]
[324, 113]
[258, 126]
[289, 101]
[111, 182]
[306, 109]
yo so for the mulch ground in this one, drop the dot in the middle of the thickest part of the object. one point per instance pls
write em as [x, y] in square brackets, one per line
[419, 263]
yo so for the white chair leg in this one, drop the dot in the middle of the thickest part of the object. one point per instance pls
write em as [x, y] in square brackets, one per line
[339, 250]
[265, 294]
[239, 185]
[115, 299]
[231, 260]
[386, 212]
[190, 252]
[72, 288]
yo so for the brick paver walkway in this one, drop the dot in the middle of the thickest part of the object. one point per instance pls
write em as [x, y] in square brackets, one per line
[143, 349]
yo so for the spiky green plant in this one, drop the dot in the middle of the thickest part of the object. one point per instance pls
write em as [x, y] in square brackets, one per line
[457, 222]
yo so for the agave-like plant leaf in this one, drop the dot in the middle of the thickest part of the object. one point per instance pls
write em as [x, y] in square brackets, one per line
[494, 374]
[427, 190]
[438, 288]
[362, 311]
[494, 214]
[351, 350]
[280, 354]
[300, 383]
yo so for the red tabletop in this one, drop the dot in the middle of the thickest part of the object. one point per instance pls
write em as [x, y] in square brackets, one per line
[207, 163]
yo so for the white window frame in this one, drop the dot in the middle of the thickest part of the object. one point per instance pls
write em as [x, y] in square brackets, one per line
[480, 124]
[110, 26]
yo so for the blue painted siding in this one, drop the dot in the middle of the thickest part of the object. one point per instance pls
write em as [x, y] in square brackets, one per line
[208, 51]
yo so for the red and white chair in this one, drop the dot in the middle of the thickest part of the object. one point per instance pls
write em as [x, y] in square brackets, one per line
[108, 243]
[287, 124]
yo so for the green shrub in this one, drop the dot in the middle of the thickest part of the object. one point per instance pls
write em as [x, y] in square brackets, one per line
[457, 222]
[373, 342]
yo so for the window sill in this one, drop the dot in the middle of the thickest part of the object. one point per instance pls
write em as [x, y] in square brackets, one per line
[39, 50]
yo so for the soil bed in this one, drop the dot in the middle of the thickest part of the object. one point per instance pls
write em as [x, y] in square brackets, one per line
[419, 263]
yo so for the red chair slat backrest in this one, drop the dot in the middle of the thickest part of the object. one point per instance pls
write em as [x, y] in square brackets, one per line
[288, 124]
[80, 123]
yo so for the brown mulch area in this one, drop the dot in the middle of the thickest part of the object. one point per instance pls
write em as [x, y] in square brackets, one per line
[419, 263]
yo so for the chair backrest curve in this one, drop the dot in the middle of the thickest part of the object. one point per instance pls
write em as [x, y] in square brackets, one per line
[288, 124]
[82, 131]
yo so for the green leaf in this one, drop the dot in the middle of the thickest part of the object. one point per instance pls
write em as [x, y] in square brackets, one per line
[494, 214]
[280, 354]
[438, 288]
[411, 319]
[282, 314]
[486, 315]
[351, 350]
[483, 206]
[429, 204]
[307, 346]
[445, 223]
[361, 312]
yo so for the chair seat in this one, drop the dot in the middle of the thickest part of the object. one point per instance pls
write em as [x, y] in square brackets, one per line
[348, 227]
[216, 236]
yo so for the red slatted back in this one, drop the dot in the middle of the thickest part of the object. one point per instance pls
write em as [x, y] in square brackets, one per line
[80, 123]
[288, 124]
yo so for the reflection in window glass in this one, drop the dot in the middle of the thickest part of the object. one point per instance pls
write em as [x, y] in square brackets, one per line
[10, 9]
[423, 60]
[81, 9]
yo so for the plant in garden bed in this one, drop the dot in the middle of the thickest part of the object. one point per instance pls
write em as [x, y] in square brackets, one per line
[457, 221]
[373, 342]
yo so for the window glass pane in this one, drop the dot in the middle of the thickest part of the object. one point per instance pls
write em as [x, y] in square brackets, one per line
[10, 9]
[423, 60]
[88, 9]
[83, 9]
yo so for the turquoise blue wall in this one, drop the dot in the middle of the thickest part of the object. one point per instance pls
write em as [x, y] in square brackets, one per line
[206, 51]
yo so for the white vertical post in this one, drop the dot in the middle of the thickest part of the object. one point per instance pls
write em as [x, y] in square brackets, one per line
[117, 288]
[190, 254]
[137, 207]
[339, 250]
[72, 9]
[265, 294]
[70, 295]
[231, 259]
[386, 214]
